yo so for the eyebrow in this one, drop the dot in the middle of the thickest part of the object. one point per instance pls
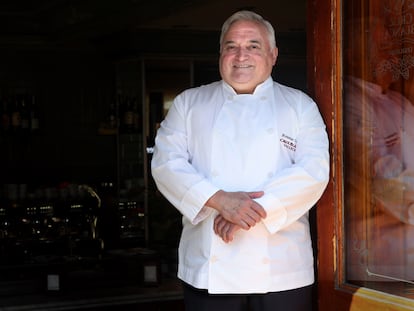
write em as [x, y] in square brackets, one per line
[256, 41]
[250, 41]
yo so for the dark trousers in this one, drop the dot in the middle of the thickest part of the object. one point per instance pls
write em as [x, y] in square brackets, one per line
[291, 300]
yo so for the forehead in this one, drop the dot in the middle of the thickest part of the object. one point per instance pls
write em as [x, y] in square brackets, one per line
[248, 30]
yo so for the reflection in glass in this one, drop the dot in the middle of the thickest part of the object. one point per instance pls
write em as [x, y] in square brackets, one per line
[378, 147]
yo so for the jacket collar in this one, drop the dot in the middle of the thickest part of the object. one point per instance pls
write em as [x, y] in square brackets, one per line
[259, 90]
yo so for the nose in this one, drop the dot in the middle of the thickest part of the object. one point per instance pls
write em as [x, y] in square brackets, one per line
[242, 53]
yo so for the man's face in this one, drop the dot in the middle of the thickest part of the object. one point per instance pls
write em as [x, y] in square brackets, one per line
[246, 58]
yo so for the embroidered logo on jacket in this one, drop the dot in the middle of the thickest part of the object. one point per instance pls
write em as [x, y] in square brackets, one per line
[288, 142]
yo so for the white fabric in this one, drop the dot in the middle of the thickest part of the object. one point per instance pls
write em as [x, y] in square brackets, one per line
[273, 140]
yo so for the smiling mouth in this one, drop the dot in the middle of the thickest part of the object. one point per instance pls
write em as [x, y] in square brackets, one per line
[242, 66]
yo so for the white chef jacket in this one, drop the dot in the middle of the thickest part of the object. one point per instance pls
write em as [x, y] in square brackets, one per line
[272, 140]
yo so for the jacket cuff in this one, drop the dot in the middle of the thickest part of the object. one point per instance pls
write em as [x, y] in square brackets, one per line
[193, 203]
[276, 214]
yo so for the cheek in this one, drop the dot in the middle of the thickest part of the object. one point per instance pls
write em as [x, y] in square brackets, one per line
[225, 60]
[225, 64]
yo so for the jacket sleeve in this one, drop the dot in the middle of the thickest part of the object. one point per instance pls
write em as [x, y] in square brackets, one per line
[294, 190]
[172, 170]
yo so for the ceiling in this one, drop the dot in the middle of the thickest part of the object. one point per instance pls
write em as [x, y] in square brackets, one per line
[24, 22]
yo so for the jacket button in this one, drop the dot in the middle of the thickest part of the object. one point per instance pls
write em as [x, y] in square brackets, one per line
[214, 173]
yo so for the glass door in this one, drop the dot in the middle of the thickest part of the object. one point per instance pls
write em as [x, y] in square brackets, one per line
[362, 78]
[379, 145]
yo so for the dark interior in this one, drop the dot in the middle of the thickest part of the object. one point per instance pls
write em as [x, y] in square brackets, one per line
[84, 85]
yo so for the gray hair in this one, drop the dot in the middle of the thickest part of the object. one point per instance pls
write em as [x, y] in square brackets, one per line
[249, 16]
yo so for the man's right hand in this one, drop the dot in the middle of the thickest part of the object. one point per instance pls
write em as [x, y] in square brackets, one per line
[238, 207]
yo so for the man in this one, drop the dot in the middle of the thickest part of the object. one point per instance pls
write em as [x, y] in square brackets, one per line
[244, 159]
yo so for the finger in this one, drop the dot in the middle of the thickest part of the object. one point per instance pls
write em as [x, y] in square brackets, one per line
[218, 224]
[215, 227]
[255, 194]
[224, 233]
[259, 210]
[246, 222]
[230, 234]
[222, 228]
[252, 217]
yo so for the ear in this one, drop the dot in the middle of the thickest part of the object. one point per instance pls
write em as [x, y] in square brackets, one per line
[275, 53]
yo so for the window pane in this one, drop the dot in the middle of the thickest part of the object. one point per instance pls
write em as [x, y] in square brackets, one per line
[378, 119]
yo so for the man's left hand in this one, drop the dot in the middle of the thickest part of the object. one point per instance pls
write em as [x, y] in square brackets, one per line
[225, 229]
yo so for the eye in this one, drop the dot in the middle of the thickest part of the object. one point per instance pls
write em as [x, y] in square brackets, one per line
[253, 47]
[230, 48]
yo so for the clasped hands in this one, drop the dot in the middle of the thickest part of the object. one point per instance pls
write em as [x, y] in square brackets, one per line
[237, 210]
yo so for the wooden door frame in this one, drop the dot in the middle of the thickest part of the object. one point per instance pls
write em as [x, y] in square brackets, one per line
[324, 67]
[322, 58]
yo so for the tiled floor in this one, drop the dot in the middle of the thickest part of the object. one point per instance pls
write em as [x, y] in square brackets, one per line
[165, 296]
